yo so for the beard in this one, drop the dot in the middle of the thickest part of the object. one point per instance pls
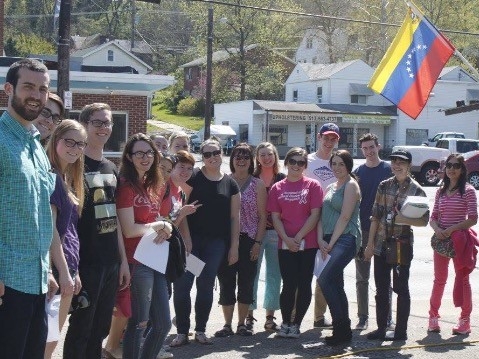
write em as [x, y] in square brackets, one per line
[22, 110]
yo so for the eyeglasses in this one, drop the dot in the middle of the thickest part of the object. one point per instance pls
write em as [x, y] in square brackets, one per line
[212, 153]
[293, 162]
[456, 166]
[242, 157]
[100, 123]
[56, 119]
[141, 154]
[72, 143]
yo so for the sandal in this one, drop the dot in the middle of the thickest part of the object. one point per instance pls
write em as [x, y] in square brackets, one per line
[243, 331]
[225, 332]
[249, 322]
[180, 340]
[201, 338]
[270, 325]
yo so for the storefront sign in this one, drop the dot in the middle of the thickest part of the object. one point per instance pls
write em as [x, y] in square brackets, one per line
[303, 117]
[367, 119]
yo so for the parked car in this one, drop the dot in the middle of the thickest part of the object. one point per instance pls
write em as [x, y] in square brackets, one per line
[195, 142]
[471, 160]
[432, 141]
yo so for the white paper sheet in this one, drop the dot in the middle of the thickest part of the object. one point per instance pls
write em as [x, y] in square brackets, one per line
[194, 265]
[52, 308]
[151, 254]
[320, 263]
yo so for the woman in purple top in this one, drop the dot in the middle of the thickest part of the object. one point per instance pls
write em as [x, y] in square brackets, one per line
[252, 229]
[65, 151]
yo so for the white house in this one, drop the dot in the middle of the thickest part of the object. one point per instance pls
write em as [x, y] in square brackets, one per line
[111, 54]
[314, 47]
[317, 93]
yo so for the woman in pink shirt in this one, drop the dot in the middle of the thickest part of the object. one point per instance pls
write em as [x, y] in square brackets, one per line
[295, 204]
[455, 210]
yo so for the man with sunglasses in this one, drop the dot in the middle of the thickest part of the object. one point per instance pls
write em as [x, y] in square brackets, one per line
[103, 265]
[319, 169]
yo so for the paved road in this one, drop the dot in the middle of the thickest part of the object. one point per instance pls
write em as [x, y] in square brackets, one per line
[310, 345]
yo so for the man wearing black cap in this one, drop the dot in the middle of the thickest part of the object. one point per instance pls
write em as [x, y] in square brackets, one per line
[319, 169]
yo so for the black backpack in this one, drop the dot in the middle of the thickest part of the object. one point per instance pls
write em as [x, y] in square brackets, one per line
[176, 265]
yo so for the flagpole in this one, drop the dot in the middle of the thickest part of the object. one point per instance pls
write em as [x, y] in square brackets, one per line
[457, 53]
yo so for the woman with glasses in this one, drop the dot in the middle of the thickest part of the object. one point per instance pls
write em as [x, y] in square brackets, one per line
[212, 231]
[50, 117]
[387, 222]
[253, 225]
[453, 214]
[267, 169]
[295, 204]
[339, 237]
[138, 205]
[65, 151]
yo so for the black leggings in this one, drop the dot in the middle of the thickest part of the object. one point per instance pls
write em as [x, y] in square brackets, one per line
[297, 273]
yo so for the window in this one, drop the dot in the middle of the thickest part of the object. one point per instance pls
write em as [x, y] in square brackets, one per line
[309, 43]
[416, 136]
[243, 132]
[295, 95]
[111, 55]
[119, 133]
[189, 74]
[278, 135]
[466, 146]
[360, 99]
[319, 95]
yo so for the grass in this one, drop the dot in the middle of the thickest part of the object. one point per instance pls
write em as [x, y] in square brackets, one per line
[162, 114]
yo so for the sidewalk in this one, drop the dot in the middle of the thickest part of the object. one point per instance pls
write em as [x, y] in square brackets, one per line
[168, 127]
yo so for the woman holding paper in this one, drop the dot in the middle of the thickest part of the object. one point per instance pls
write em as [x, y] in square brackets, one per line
[212, 232]
[339, 238]
[454, 213]
[295, 204]
[138, 204]
[389, 224]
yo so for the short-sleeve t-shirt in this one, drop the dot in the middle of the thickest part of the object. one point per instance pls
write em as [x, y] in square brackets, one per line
[294, 202]
[97, 226]
[213, 218]
[172, 201]
[67, 219]
[145, 210]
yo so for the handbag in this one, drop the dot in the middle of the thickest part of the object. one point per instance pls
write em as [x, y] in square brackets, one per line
[444, 247]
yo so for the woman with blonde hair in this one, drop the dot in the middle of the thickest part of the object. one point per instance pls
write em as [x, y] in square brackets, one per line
[179, 140]
[65, 151]
[267, 169]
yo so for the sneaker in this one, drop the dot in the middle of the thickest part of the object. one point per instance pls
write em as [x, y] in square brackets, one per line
[362, 324]
[283, 331]
[433, 325]
[163, 354]
[200, 337]
[391, 325]
[180, 340]
[322, 323]
[294, 331]
[463, 327]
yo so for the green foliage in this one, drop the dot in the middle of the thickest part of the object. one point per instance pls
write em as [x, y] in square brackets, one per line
[193, 123]
[191, 106]
[170, 97]
[23, 45]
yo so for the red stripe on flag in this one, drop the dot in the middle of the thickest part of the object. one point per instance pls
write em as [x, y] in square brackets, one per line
[416, 97]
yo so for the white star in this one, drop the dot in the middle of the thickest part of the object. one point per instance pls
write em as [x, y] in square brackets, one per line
[424, 47]
[408, 62]
[411, 75]
[419, 47]
[409, 56]
[408, 69]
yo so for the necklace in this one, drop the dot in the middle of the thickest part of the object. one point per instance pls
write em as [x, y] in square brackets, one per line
[451, 190]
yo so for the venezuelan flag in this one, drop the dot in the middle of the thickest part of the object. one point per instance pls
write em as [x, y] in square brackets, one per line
[412, 64]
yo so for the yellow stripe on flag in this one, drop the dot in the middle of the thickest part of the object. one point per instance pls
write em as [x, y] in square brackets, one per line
[395, 53]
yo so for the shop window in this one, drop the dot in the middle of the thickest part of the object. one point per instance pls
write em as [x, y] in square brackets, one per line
[360, 99]
[278, 135]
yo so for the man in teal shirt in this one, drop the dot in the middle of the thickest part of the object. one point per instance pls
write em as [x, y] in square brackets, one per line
[26, 184]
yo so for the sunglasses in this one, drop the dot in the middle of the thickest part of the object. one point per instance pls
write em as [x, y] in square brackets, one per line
[300, 163]
[456, 166]
[212, 153]
[242, 157]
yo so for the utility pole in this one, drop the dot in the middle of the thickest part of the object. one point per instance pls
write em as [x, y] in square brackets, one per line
[133, 23]
[64, 51]
[209, 71]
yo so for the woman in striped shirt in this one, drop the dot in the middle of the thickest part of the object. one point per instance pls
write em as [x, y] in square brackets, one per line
[455, 209]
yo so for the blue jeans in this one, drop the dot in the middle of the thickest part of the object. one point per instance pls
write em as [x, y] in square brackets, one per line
[23, 325]
[331, 279]
[149, 300]
[211, 251]
[272, 275]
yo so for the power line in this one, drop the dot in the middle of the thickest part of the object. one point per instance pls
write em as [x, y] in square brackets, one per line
[304, 14]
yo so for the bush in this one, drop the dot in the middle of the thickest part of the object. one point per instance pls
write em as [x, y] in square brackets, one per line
[191, 107]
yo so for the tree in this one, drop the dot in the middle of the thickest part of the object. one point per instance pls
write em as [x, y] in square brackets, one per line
[23, 45]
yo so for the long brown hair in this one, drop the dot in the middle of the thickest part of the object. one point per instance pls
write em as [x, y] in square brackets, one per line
[73, 173]
[153, 181]
[461, 182]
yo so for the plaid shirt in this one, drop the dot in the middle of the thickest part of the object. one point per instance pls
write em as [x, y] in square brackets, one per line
[25, 220]
[391, 195]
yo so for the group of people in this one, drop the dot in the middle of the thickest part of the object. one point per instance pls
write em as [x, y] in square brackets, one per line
[71, 223]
